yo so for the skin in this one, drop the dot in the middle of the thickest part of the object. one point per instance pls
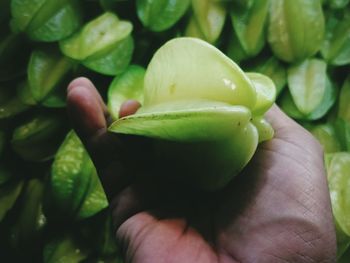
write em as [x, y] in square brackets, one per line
[277, 210]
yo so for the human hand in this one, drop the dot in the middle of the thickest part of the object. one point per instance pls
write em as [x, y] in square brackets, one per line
[277, 210]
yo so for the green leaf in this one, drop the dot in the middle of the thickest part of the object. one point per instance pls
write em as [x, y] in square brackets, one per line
[193, 30]
[96, 36]
[249, 25]
[64, 249]
[5, 174]
[327, 136]
[23, 11]
[210, 17]
[274, 69]
[288, 106]
[128, 85]
[235, 50]
[57, 99]
[338, 166]
[337, 4]
[336, 45]
[113, 61]
[342, 129]
[296, 28]
[344, 97]
[9, 193]
[10, 104]
[328, 100]
[28, 226]
[107, 244]
[46, 70]
[38, 138]
[46, 20]
[345, 257]
[103, 45]
[159, 15]
[74, 189]
[95, 199]
[24, 94]
[307, 84]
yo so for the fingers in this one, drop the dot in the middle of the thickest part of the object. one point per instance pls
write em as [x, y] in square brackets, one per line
[88, 114]
[84, 82]
[129, 107]
[277, 118]
[85, 109]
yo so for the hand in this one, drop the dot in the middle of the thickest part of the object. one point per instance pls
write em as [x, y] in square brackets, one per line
[277, 210]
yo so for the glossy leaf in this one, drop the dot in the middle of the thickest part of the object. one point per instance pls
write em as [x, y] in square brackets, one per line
[9, 193]
[344, 98]
[327, 136]
[159, 15]
[235, 50]
[337, 4]
[28, 227]
[193, 30]
[24, 94]
[274, 69]
[249, 24]
[288, 105]
[38, 138]
[338, 165]
[114, 61]
[104, 243]
[46, 20]
[95, 199]
[103, 45]
[5, 174]
[57, 99]
[336, 45]
[210, 17]
[65, 249]
[74, 189]
[97, 35]
[342, 129]
[345, 257]
[46, 70]
[128, 85]
[307, 84]
[296, 28]
[23, 11]
[10, 104]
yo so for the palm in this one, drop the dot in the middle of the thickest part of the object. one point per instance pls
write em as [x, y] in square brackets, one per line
[265, 212]
[277, 210]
